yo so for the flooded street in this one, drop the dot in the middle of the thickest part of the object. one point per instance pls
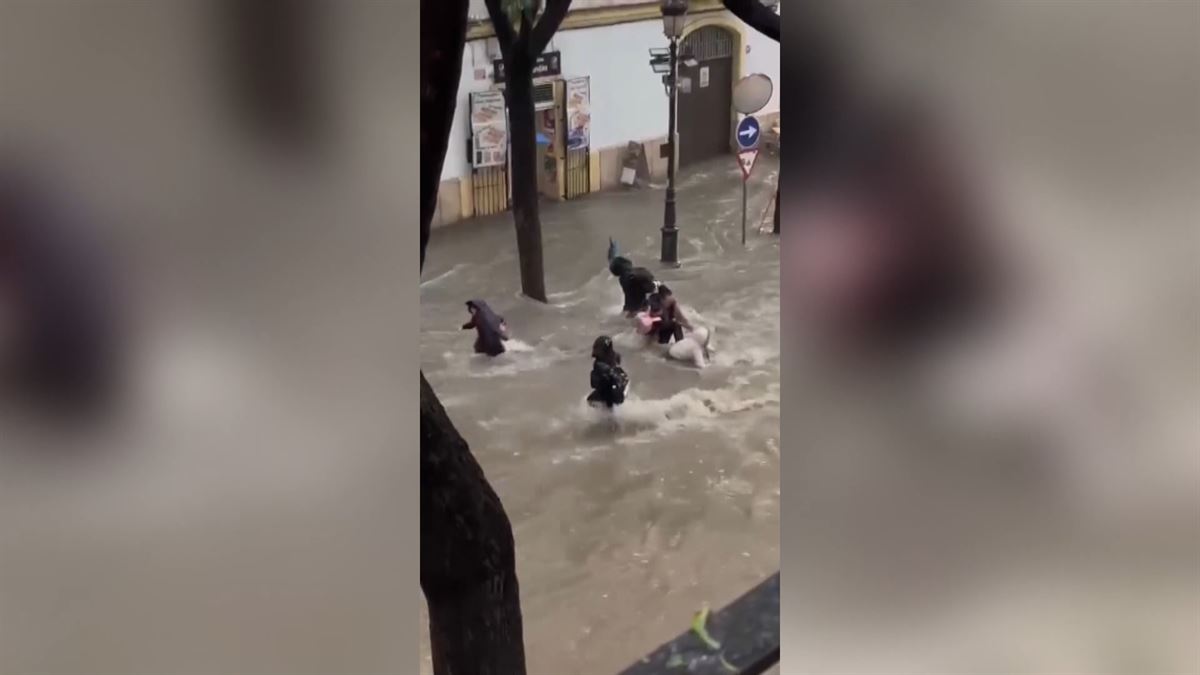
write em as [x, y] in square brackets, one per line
[622, 530]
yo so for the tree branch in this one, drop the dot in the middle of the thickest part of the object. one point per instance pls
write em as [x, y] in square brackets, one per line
[756, 15]
[504, 30]
[443, 36]
[547, 25]
[528, 17]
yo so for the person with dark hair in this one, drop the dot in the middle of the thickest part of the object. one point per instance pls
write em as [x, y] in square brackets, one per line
[608, 380]
[637, 283]
[656, 326]
[490, 329]
[672, 321]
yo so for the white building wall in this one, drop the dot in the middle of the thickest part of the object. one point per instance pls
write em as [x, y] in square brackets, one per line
[763, 58]
[476, 55]
[628, 103]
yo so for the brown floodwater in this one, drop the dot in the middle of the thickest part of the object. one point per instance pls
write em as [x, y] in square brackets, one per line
[625, 526]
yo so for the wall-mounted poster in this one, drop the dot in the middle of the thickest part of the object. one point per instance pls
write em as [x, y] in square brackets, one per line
[579, 113]
[489, 129]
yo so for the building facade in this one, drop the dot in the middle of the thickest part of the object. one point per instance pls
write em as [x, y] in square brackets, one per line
[599, 105]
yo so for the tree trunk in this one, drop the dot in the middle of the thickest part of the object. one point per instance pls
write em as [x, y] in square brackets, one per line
[519, 96]
[776, 229]
[443, 39]
[520, 46]
[468, 563]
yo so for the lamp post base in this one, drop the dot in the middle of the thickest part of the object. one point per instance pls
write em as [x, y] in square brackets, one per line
[670, 246]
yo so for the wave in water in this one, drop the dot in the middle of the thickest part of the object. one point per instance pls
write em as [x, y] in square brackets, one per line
[443, 276]
[520, 357]
[691, 408]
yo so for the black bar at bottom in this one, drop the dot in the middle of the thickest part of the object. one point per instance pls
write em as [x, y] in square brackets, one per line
[747, 628]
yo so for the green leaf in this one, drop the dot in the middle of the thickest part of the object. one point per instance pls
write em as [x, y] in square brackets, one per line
[699, 627]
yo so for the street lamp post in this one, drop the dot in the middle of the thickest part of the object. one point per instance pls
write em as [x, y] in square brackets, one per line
[674, 15]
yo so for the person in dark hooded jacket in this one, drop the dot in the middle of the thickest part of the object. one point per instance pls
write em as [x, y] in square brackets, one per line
[490, 329]
[637, 283]
[609, 380]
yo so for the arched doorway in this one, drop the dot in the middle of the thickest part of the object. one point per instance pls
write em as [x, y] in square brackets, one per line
[706, 100]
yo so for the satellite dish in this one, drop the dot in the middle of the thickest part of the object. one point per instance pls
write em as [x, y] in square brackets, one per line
[752, 93]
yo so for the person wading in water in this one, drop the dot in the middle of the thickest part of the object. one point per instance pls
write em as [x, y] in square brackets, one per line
[490, 330]
[608, 380]
[637, 283]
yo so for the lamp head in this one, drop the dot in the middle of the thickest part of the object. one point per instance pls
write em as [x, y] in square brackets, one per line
[674, 14]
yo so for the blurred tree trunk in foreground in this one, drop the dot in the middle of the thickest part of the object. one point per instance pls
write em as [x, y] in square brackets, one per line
[468, 562]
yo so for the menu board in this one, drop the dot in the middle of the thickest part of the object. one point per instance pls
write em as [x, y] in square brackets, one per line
[579, 113]
[489, 129]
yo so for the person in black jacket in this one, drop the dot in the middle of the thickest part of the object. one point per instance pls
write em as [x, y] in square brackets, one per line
[609, 380]
[637, 283]
[490, 329]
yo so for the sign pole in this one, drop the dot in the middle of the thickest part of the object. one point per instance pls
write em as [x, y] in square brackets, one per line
[750, 95]
[747, 140]
[743, 213]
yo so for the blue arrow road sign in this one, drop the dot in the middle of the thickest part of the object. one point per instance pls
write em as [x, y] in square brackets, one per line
[747, 133]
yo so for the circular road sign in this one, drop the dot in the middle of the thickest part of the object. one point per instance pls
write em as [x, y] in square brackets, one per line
[752, 93]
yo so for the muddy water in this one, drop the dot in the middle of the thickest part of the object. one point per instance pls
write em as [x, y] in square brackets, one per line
[624, 525]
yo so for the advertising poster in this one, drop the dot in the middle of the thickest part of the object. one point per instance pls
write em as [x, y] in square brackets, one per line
[579, 113]
[489, 129]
